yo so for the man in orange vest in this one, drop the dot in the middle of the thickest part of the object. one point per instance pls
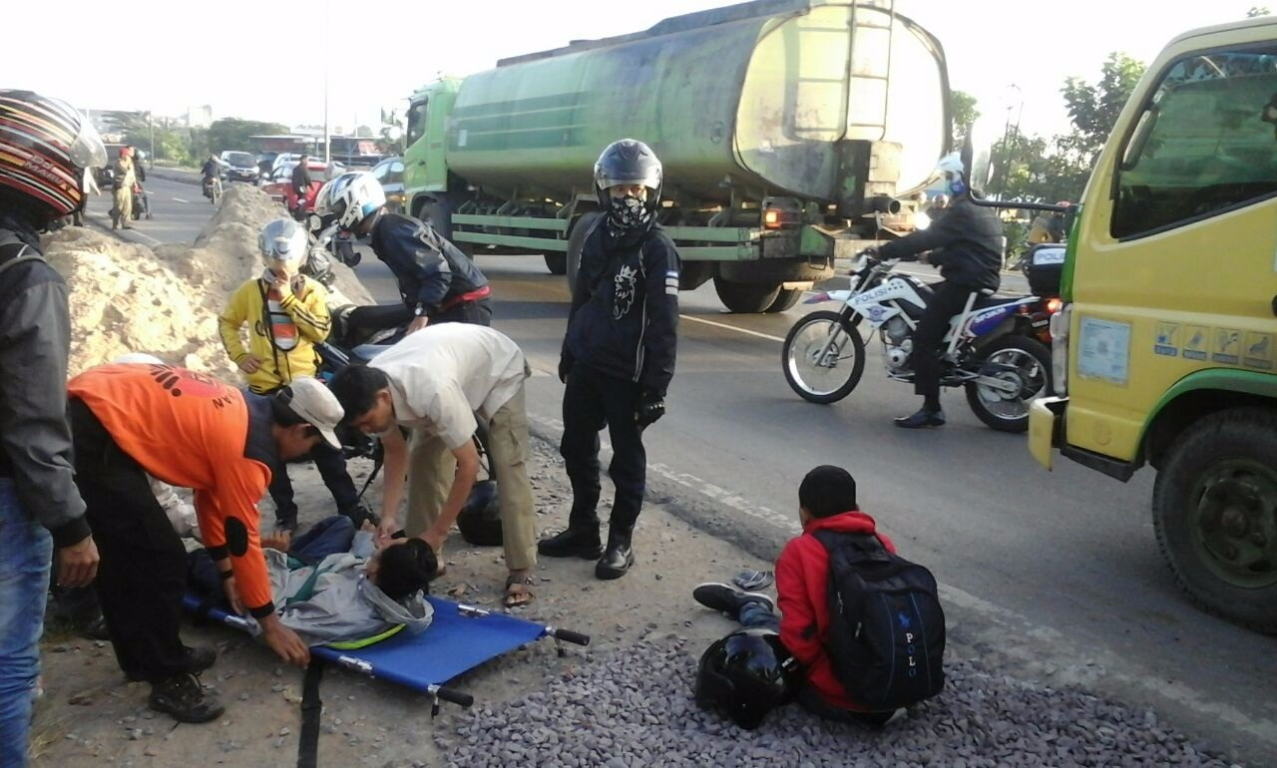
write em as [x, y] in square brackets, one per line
[191, 431]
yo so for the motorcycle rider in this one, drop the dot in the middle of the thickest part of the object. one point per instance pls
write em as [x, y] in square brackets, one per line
[438, 283]
[45, 152]
[618, 353]
[966, 243]
[212, 171]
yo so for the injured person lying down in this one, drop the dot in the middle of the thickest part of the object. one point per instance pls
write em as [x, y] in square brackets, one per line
[332, 585]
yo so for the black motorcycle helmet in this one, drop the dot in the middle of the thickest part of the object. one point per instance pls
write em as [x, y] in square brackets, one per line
[746, 675]
[629, 161]
[480, 518]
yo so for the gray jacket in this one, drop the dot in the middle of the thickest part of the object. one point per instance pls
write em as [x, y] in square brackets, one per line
[35, 338]
[342, 604]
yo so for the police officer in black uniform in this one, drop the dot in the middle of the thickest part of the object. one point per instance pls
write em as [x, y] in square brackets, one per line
[438, 283]
[618, 354]
[966, 243]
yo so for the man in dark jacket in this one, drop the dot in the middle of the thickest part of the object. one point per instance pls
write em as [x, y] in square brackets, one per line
[438, 283]
[966, 243]
[40, 508]
[618, 354]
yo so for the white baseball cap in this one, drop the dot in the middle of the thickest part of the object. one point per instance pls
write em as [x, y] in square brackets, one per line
[312, 401]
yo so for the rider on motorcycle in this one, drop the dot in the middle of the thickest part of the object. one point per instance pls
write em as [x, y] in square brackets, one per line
[966, 243]
[437, 281]
[212, 171]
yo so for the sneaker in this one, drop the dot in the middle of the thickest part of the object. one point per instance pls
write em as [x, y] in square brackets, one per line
[184, 699]
[753, 580]
[728, 599]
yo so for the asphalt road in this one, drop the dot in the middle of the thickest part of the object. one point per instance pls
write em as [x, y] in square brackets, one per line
[1057, 574]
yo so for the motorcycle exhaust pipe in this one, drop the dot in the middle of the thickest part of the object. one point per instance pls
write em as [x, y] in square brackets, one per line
[883, 204]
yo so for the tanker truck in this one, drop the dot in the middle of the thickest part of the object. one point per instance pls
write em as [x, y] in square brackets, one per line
[790, 131]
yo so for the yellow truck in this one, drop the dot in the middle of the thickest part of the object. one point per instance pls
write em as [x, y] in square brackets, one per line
[1164, 351]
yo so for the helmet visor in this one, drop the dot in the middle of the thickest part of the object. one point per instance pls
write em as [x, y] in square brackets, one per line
[649, 177]
[87, 149]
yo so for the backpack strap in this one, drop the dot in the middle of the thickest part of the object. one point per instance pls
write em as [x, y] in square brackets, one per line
[854, 547]
[14, 253]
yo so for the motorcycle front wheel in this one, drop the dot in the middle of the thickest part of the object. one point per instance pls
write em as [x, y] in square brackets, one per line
[823, 357]
[1020, 360]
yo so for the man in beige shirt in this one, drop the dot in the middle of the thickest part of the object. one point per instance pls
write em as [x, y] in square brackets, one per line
[435, 383]
[125, 178]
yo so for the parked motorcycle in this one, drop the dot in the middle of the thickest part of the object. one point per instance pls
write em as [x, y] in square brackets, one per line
[994, 347]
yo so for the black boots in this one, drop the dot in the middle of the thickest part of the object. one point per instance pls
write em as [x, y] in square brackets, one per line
[184, 698]
[581, 540]
[926, 417]
[618, 558]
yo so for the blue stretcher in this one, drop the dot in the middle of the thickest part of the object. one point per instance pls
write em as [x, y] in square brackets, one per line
[459, 638]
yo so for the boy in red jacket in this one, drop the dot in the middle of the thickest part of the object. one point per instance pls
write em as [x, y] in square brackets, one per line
[827, 501]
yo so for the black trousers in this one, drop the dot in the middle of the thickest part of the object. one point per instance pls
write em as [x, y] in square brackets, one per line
[141, 575]
[948, 300]
[594, 400]
[332, 468]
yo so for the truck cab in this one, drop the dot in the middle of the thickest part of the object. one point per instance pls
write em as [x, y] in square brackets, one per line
[1164, 352]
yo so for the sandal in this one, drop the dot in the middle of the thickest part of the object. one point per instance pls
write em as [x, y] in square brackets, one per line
[517, 593]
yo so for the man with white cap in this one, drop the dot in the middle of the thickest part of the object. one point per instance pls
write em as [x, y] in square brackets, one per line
[192, 431]
[286, 313]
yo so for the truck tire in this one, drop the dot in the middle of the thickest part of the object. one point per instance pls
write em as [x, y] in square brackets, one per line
[557, 262]
[785, 300]
[576, 242]
[746, 298]
[1215, 515]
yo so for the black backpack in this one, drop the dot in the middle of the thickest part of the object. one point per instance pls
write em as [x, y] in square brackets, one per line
[886, 627]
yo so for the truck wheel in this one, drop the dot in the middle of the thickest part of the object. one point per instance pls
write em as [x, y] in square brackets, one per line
[557, 263]
[785, 300]
[576, 242]
[1215, 514]
[746, 298]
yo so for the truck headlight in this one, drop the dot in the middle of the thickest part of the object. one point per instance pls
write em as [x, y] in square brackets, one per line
[1060, 349]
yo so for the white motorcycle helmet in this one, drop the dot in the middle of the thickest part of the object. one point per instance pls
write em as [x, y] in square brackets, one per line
[283, 240]
[951, 166]
[358, 199]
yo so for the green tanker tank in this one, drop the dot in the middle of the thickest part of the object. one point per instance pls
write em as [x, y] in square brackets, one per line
[789, 130]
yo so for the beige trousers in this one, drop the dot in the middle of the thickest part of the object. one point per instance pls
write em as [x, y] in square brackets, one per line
[124, 206]
[432, 467]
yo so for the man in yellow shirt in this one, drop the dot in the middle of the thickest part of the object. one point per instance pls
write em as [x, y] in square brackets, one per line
[286, 313]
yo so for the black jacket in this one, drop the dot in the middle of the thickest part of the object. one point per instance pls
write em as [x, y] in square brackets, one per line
[35, 337]
[430, 270]
[966, 243]
[624, 316]
[301, 178]
[212, 169]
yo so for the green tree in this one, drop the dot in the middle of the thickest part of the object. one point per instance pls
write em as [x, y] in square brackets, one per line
[1094, 107]
[962, 108]
[232, 133]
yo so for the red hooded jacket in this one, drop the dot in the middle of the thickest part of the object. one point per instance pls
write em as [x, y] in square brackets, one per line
[802, 576]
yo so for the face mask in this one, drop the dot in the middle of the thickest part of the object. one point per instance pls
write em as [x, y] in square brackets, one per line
[953, 186]
[627, 214]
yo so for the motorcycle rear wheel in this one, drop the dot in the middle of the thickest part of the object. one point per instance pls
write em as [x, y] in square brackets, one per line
[1003, 411]
[832, 378]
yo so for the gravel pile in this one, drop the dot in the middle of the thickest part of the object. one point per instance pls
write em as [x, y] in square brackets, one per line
[634, 709]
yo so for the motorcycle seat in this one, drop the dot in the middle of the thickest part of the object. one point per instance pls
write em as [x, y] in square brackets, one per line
[985, 302]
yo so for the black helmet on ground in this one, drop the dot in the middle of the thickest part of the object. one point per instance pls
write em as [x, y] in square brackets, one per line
[480, 518]
[746, 675]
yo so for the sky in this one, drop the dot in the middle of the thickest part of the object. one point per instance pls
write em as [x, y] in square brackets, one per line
[269, 59]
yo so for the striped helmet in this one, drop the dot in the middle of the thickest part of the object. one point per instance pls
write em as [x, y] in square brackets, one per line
[45, 147]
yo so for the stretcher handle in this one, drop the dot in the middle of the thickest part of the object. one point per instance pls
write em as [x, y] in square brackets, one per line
[452, 695]
[568, 636]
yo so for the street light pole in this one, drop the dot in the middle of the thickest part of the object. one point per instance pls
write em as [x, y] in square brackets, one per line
[150, 123]
[327, 143]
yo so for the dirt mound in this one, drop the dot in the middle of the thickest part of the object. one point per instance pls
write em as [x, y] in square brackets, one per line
[166, 300]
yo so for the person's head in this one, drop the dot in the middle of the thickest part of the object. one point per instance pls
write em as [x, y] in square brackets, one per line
[403, 567]
[364, 393]
[941, 201]
[354, 206]
[304, 413]
[628, 178]
[826, 491]
[45, 148]
[303, 160]
[746, 675]
[955, 180]
[283, 244]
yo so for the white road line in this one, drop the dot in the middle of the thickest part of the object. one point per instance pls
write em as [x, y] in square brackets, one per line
[180, 200]
[732, 328]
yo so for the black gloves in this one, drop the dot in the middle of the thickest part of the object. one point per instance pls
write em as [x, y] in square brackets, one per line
[651, 407]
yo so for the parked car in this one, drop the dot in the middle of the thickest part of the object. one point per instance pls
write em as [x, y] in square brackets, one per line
[240, 166]
[389, 173]
[280, 183]
[265, 163]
